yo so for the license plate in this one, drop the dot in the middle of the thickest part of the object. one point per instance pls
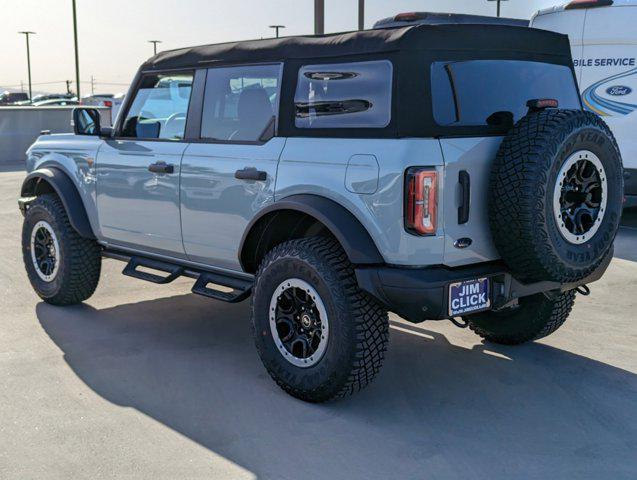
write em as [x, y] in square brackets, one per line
[469, 296]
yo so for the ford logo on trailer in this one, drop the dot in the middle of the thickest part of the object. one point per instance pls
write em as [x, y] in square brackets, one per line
[618, 90]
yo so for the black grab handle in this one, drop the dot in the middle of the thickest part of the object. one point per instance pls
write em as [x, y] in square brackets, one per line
[465, 196]
[251, 174]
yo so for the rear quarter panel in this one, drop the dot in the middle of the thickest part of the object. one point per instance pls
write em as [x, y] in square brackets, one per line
[344, 170]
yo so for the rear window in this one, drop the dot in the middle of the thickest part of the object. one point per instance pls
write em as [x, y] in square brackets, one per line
[495, 92]
[344, 95]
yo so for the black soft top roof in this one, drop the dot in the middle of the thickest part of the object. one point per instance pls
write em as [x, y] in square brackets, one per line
[411, 49]
[467, 38]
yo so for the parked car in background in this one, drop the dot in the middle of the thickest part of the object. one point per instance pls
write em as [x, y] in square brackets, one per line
[45, 97]
[53, 96]
[114, 101]
[99, 100]
[57, 101]
[10, 98]
[604, 48]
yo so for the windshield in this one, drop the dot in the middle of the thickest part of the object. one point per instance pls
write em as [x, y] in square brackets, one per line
[495, 92]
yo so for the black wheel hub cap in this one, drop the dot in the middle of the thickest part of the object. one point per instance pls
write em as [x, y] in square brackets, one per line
[297, 322]
[45, 254]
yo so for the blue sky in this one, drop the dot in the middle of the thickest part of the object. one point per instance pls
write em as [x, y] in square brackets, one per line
[113, 34]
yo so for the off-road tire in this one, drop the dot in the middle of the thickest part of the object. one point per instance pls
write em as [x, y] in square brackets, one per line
[80, 259]
[359, 326]
[536, 317]
[521, 211]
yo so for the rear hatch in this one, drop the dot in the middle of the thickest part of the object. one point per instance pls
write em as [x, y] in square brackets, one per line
[489, 93]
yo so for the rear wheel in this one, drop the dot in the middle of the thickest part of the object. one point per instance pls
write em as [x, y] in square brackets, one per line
[535, 317]
[63, 267]
[318, 335]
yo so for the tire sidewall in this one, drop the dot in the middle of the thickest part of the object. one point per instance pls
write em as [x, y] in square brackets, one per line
[37, 212]
[339, 351]
[585, 256]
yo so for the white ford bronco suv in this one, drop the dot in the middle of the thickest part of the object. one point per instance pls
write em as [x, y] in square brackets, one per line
[435, 171]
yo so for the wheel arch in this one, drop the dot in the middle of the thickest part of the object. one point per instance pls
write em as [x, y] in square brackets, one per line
[304, 215]
[54, 180]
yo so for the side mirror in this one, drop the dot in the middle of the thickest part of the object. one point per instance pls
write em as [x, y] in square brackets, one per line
[86, 121]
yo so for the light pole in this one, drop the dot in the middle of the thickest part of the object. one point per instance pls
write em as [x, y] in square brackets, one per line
[77, 54]
[154, 42]
[498, 4]
[26, 34]
[277, 28]
[319, 17]
[361, 14]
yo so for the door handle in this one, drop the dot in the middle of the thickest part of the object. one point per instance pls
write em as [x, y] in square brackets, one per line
[251, 174]
[465, 196]
[161, 167]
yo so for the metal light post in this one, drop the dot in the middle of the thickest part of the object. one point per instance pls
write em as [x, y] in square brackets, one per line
[154, 42]
[361, 14]
[277, 28]
[319, 17]
[77, 54]
[498, 4]
[26, 34]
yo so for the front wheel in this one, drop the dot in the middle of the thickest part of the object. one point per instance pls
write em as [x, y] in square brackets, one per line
[535, 317]
[318, 335]
[63, 267]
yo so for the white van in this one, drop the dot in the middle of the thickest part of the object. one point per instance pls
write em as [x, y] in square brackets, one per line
[604, 45]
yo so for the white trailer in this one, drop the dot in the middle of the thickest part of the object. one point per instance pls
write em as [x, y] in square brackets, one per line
[604, 46]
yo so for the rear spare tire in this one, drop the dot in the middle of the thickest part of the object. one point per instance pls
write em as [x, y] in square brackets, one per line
[556, 195]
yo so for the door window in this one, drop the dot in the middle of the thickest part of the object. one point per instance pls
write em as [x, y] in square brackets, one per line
[241, 103]
[160, 107]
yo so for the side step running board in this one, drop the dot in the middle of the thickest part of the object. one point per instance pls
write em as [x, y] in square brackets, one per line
[220, 286]
[239, 289]
[172, 271]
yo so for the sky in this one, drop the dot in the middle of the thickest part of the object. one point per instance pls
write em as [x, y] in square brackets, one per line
[114, 34]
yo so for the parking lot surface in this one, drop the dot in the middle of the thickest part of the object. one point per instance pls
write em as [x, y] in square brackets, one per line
[147, 381]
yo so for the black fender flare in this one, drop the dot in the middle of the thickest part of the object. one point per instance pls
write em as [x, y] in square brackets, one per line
[346, 228]
[66, 190]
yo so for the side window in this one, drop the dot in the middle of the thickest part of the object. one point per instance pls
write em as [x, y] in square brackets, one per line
[344, 95]
[240, 103]
[160, 107]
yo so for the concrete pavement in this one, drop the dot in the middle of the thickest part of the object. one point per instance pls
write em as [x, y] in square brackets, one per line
[147, 381]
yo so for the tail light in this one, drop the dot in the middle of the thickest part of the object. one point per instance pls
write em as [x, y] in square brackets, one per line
[107, 103]
[421, 201]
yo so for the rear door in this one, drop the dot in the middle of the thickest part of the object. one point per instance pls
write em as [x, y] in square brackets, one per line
[228, 173]
[138, 172]
[493, 94]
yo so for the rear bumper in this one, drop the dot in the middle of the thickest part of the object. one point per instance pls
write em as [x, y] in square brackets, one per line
[419, 294]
